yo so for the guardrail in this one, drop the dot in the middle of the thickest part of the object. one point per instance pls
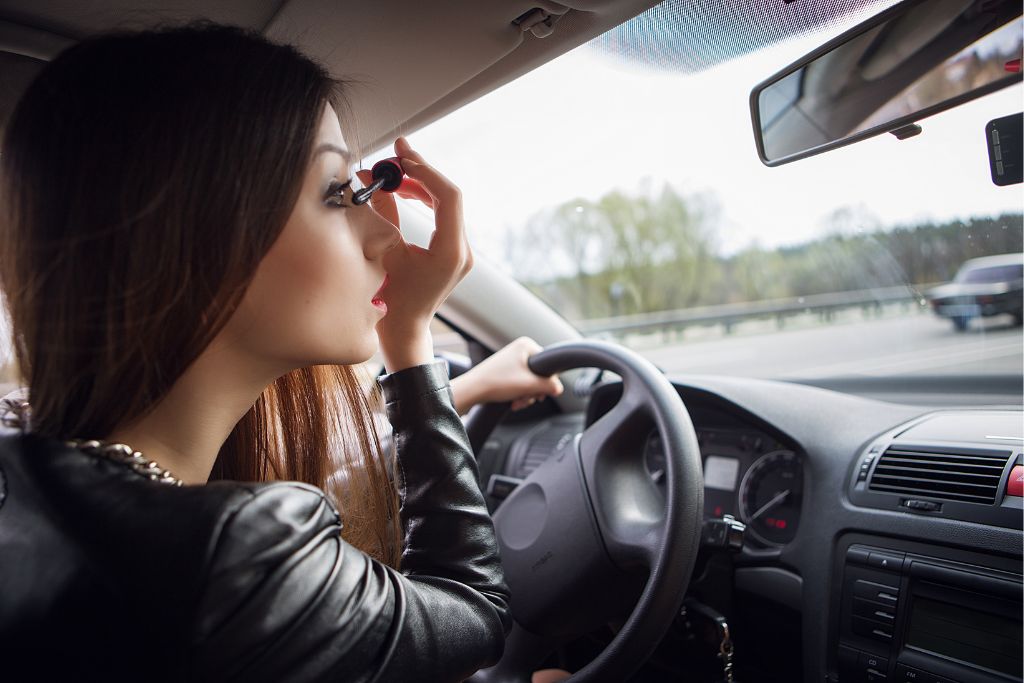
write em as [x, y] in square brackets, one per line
[728, 315]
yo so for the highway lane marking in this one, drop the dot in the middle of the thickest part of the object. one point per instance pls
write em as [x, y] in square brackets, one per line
[918, 360]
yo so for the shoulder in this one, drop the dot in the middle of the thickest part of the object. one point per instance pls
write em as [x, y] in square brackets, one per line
[104, 506]
[268, 521]
[280, 584]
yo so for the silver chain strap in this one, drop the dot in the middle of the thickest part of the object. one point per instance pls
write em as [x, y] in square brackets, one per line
[124, 454]
[15, 413]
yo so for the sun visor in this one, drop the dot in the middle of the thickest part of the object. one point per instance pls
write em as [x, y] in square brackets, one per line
[442, 45]
[431, 58]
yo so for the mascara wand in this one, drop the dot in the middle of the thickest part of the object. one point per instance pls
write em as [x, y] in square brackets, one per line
[387, 176]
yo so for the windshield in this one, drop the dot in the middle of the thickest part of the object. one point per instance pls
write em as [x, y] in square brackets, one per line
[629, 196]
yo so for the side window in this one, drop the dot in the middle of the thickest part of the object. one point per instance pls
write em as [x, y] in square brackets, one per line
[448, 344]
[8, 367]
[8, 376]
[447, 340]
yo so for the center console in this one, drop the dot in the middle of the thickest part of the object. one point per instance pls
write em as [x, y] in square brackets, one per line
[917, 613]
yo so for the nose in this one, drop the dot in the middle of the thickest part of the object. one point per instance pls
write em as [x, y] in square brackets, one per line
[379, 234]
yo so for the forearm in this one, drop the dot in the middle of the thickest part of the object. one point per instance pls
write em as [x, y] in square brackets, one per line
[405, 347]
[448, 530]
[466, 393]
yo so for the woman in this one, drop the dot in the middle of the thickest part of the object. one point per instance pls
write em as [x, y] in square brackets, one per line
[187, 275]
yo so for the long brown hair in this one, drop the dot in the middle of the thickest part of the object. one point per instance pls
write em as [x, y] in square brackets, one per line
[143, 177]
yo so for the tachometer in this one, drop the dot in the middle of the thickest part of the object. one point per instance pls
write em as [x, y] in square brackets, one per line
[770, 496]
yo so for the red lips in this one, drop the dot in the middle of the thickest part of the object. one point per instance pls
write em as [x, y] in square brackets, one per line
[378, 299]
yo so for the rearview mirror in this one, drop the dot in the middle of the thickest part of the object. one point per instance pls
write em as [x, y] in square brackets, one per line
[913, 60]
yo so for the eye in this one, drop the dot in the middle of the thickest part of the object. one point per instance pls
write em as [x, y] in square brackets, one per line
[335, 194]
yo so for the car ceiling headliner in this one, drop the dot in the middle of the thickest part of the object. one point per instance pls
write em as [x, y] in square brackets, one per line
[404, 75]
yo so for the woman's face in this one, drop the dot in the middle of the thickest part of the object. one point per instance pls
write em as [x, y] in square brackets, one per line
[312, 299]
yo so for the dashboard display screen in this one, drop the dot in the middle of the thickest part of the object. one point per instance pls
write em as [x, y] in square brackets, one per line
[980, 638]
[720, 473]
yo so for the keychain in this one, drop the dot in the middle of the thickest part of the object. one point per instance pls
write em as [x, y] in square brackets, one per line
[725, 646]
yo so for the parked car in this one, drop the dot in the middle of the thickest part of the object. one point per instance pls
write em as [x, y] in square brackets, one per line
[982, 288]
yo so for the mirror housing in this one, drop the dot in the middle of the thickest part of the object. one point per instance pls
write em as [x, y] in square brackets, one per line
[911, 61]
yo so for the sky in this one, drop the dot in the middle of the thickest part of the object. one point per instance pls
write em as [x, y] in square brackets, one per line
[588, 123]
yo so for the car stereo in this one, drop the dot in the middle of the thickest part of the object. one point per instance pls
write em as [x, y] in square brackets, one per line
[916, 618]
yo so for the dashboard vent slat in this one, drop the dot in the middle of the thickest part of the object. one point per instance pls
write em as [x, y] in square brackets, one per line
[940, 475]
[943, 462]
[947, 473]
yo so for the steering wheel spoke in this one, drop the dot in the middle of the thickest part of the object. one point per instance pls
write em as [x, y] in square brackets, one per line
[574, 534]
[628, 505]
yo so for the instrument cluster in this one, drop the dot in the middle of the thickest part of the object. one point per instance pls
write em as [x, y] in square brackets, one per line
[749, 475]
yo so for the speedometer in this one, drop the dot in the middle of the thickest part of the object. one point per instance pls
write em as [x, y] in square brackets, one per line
[770, 496]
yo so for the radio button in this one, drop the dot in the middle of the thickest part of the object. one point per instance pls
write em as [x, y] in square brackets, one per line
[904, 674]
[872, 629]
[878, 592]
[858, 554]
[874, 611]
[890, 561]
[870, 662]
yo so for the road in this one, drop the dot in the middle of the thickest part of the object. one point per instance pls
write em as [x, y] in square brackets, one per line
[912, 344]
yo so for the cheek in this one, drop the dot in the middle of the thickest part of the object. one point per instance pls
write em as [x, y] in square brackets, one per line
[304, 299]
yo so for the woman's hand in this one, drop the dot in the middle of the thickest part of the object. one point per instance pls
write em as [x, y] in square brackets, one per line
[504, 376]
[419, 280]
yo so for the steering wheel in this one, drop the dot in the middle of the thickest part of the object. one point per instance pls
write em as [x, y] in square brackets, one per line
[590, 520]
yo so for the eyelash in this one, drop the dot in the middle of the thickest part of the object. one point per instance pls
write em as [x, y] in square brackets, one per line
[335, 195]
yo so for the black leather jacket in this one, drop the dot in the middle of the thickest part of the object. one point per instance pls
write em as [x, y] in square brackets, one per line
[107, 576]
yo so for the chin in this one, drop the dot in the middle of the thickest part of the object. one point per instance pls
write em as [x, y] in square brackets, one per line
[360, 353]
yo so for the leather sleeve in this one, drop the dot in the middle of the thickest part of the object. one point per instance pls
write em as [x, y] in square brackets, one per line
[288, 599]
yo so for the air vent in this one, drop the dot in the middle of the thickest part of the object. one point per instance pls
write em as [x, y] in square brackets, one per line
[968, 475]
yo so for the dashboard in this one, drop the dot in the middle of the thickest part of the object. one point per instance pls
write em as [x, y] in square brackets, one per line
[751, 472]
[821, 479]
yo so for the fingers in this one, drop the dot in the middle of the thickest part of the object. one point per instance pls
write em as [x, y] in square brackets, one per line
[549, 676]
[525, 402]
[528, 345]
[413, 189]
[550, 386]
[446, 196]
[539, 386]
[543, 386]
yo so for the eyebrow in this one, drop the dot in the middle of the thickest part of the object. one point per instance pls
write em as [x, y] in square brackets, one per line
[328, 147]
